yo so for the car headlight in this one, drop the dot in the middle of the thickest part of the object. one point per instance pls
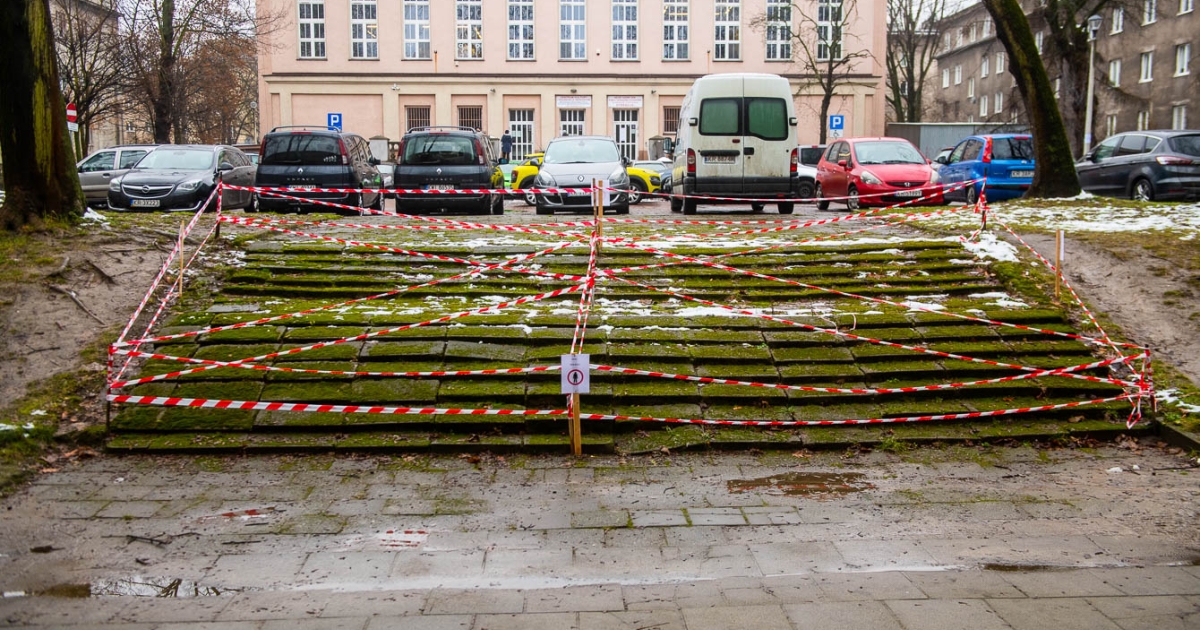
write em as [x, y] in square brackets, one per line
[934, 177]
[618, 178]
[654, 179]
[545, 180]
[869, 178]
[115, 184]
[190, 185]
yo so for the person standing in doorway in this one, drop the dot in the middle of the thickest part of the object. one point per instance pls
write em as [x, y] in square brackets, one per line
[506, 142]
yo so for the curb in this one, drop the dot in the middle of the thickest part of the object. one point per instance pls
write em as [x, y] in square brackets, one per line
[1179, 438]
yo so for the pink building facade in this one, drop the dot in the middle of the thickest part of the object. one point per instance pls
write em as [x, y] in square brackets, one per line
[545, 68]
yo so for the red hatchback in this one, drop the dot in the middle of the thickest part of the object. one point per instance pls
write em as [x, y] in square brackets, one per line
[875, 172]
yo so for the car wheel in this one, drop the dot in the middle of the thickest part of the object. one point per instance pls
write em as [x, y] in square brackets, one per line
[852, 199]
[972, 196]
[676, 204]
[530, 198]
[635, 191]
[254, 206]
[821, 203]
[620, 210]
[757, 207]
[786, 208]
[378, 205]
[544, 209]
[806, 190]
[1143, 190]
[498, 204]
[689, 206]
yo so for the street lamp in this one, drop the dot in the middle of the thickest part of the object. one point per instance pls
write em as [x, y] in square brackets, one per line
[1093, 26]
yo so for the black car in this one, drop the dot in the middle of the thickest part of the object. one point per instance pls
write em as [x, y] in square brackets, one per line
[303, 158]
[181, 177]
[1145, 165]
[447, 158]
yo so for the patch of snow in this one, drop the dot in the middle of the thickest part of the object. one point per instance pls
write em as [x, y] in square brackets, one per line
[1171, 396]
[991, 247]
[988, 296]
[92, 215]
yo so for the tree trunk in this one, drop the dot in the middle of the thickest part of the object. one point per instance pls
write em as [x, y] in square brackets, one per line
[1054, 167]
[39, 177]
[163, 101]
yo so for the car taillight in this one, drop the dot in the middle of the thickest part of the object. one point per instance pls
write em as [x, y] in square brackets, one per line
[400, 153]
[987, 150]
[1173, 160]
[479, 155]
[342, 149]
[262, 148]
[691, 161]
[795, 160]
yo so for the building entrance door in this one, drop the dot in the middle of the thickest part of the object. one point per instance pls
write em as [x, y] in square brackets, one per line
[625, 132]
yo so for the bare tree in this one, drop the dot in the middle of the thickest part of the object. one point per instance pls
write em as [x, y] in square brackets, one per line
[40, 179]
[91, 62]
[1054, 171]
[913, 35]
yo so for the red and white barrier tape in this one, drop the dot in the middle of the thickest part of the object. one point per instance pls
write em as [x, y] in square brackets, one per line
[207, 403]
[279, 368]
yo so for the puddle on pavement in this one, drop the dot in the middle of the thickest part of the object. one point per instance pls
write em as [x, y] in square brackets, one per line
[131, 587]
[797, 484]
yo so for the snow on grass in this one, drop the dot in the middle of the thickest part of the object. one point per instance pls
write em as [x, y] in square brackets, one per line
[1088, 213]
[988, 246]
[1171, 396]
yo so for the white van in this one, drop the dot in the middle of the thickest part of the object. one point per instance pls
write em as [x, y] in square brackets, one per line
[737, 138]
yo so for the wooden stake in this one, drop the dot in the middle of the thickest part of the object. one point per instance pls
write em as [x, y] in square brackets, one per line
[1059, 243]
[576, 430]
[598, 210]
[182, 233]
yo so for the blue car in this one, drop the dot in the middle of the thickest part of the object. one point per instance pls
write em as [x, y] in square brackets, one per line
[1004, 161]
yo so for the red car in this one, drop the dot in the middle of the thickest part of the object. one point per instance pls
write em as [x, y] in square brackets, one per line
[875, 172]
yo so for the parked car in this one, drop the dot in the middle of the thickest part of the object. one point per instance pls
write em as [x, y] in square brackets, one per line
[448, 158]
[642, 181]
[1145, 165]
[506, 170]
[890, 169]
[810, 154]
[302, 158]
[661, 167]
[97, 170]
[181, 177]
[387, 171]
[524, 175]
[573, 162]
[941, 158]
[1003, 161]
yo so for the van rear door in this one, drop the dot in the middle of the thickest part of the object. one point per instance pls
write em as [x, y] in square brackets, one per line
[718, 145]
[767, 140]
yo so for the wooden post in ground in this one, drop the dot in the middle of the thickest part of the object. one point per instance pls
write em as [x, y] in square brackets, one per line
[576, 429]
[182, 233]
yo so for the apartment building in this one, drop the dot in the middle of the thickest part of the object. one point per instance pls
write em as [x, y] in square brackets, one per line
[545, 68]
[1145, 53]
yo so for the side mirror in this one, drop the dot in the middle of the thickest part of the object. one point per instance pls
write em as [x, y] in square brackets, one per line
[626, 162]
[225, 166]
[842, 163]
[941, 159]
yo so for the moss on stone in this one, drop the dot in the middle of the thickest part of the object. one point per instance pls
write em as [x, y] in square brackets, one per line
[200, 319]
[462, 389]
[959, 333]
[220, 390]
[832, 354]
[764, 372]
[308, 392]
[322, 333]
[394, 390]
[723, 337]
[485, 351]
[337, 352]
[800, 338]
[671, 352]
[388, 440]
[656, 391]
[626, 335]
[200, 419]
[819, 372]
[901, 369]
[744, 394]
[250, 334]
[328, 366]
[136, 418]
[328, 318]
[278, 419]
[730, 354]
[485, 333]
[748, 411]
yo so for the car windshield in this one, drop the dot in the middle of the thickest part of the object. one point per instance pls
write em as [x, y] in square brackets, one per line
[301, 148]
[165, 159]
[581, 151]
[440, 149]
[1020, 148]
[887, 153]
[1187, 145]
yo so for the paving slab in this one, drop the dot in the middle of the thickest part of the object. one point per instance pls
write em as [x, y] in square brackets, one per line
[842, 616]
[724, 617]
[935, 614]
[1057, 613]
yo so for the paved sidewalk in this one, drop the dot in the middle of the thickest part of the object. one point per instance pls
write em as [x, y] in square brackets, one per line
[987, 537]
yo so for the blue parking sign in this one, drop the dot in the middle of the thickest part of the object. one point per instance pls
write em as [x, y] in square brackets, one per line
[335, 121]
[837, 121]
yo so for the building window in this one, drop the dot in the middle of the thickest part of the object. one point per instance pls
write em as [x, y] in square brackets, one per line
[416, 29]
[1118, 20]
[416, 117]
[904, 88]
[1143, 121]
[1000, 63]
[1179, 117]
[570, 122]
[520, 124]
[1186, 6]
[998, 103]
[1114, 73]
[987, 27]
[670, 121]
[945, 78]
[957, 75]
[470, 116]
[1057, 87]
[364, 30]
[946, 41]
[1038, 37]
[624, 29]
[971, 87]
[959, 41]
[572, 29]
[520, 29]
[779, 30]
[829, 30]
[727, 30]
[1149, 11]
[1183, 59]
[983, 106]
[1147, 67]
[675, 29]
[1110, 125]
[974, 33]
[983, 67]
[469, 29]
[312, 30]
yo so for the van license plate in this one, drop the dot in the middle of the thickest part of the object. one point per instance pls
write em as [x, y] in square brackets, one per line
[1021, 173]
[909, 193]
[720, 159]
[439, 187]
[144, 203]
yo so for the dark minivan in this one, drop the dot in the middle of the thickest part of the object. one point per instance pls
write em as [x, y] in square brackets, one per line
[1144, 165]
[447, 158]
[303, 158]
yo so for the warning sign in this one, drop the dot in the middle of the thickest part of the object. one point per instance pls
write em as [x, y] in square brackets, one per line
[576, 378]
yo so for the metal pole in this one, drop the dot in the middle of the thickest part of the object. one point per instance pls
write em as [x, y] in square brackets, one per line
[1091, 91]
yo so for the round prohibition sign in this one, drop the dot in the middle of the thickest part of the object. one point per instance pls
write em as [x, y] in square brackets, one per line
[575, 377]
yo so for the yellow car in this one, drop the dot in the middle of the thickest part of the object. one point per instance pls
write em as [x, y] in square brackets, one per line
[642, 181]
[524, 174]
